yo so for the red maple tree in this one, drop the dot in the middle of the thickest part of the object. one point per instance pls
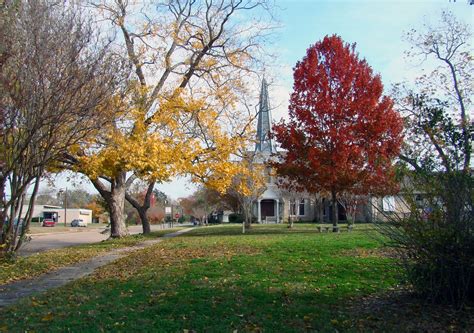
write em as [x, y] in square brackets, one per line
[343, 134]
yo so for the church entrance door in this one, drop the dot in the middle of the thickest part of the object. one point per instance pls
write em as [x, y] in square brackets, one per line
[267, 208]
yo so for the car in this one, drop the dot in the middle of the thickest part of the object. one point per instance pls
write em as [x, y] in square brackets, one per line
[48, 223]
[78, 223]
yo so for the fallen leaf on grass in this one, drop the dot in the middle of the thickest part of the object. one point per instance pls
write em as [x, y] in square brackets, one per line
[48, 317]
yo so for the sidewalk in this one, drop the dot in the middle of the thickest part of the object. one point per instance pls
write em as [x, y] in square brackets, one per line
[13, 292]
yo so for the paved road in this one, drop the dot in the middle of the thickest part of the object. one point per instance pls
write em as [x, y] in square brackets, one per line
[43, 242]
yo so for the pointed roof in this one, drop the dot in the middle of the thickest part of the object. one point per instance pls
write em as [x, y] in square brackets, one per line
[264, 124]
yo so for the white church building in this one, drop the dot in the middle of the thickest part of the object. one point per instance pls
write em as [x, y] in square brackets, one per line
[275, 204]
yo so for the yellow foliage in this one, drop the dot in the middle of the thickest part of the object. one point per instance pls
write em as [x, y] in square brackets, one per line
[184, 136]
[251, 179]
[196, 131]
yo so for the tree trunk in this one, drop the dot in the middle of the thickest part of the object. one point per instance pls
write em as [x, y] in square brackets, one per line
[3, 209]
[115, 199]
[320, 209]
[334, 211]
[248, 221]
[248, 215]
[116, 205]
[146, 228]
[28, 216]
[143, 209]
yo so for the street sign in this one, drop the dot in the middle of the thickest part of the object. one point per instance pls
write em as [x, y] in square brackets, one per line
[176, 216]
[168, 210]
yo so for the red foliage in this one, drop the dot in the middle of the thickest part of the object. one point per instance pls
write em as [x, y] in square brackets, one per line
[156, 215]
[342, 134]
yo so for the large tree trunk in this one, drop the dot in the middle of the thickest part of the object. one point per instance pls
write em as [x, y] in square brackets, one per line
[116, 205]
[334, 211]
[115, 199]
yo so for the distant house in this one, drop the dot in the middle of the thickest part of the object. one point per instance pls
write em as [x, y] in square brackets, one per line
[57, 213]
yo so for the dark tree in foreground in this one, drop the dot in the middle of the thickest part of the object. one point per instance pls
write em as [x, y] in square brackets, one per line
[56, 73]
[343, 134]
[436, 239]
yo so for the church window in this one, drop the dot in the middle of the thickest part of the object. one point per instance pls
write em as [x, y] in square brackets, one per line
[388, 204]
[301, 208]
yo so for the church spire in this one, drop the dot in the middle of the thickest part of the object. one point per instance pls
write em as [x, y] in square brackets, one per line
[264, 123]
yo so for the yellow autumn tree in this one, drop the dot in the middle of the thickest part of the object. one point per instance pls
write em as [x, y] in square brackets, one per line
[191, 62]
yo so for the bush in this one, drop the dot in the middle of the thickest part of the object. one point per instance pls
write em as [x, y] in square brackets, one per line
[236, 218]
[436, 240]
[213, 219]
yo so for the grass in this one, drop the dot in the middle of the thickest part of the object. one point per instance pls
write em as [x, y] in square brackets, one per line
[215, 279]
[27, 267]
[36, 228]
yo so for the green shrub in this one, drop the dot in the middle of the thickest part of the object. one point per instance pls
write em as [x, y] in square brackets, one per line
[436, 240]
[213, 219]
[236, 218]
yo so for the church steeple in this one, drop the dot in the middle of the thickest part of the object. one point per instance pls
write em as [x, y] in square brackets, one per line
[264, 123]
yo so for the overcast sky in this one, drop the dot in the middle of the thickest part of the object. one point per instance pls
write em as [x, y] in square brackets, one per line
[376, 26]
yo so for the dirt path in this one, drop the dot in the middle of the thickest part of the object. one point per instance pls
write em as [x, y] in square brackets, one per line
[13, 292]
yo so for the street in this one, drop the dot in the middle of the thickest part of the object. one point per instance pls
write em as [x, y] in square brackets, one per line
[43, 242]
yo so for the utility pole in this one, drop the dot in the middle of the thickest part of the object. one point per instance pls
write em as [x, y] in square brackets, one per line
[65, 204]
[65, 207]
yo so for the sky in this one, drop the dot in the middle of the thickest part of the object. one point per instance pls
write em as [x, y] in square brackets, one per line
[376, 26]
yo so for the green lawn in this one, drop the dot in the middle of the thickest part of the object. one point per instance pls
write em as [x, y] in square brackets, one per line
[36, 264]
[214, 279]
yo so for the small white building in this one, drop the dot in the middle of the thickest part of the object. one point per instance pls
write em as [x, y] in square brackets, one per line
[58, 213]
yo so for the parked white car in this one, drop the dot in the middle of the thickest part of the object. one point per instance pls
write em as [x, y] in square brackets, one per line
[78, 223]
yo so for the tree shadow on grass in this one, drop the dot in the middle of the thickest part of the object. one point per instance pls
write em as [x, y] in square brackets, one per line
[201, 306]
[196, 305]
[401, 308]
